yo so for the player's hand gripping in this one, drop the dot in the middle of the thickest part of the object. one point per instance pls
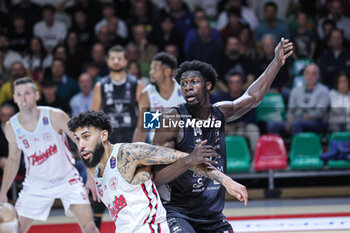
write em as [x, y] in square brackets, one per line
[283, 50]
[202, 154]
[237, 190]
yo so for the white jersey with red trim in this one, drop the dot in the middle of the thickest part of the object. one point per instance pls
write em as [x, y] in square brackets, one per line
[45, 151]
[157, 102]
[133, 208]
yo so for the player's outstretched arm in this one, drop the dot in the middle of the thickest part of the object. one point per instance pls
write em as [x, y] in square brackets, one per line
[12, 162]
[257, 90]
[232, 187]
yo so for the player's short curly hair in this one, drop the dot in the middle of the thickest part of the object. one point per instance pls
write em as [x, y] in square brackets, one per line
[205, 69]
[99, 120]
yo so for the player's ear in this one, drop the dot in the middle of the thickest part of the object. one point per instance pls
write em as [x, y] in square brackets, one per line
[104, 135]
[37, 95]
[208, 86]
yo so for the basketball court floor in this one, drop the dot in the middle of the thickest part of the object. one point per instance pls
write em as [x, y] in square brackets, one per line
[309, 215]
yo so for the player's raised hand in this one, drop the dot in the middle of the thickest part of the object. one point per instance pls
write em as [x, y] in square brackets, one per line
[237, 190]
[283, 50]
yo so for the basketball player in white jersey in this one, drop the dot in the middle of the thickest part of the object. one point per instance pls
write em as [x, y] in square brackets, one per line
[163, 92]
[123, 173]
[8, 219]
[50, 173]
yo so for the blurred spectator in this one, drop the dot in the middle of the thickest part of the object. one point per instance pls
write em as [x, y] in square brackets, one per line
[37, 59]
[108, 12]
[234, 25]
[83, 29]
[337, 15]
[112, 26]
[245, 125]
[168, 34]
[209, 6]
[3, 22]
[50, 30]
[91, 8]
[19, 34]
[93, 70]
[66, 86]
[323, 44]
[4, 75]
[233, 59]
[104, 36]
[271, 25]
[303, 38]
[10, 56]
[192, 35]
[134, 56]
[98, 57]
[339, 115]
[258, 7]
[6, 112]
[307, 106]
[334, 59]
[248, 16]
[76, 55]
[247, 46]
[283, 77]
[60, 51]
[175, 51]
[82, 101]
[29, 10]
[205, 48]
[134, 69]
[49, 96]
[182, 16]
[147, 50]
[144, 12]
[6, 90]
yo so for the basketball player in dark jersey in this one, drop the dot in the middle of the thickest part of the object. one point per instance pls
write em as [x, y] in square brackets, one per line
[117, 95]
[195, 203]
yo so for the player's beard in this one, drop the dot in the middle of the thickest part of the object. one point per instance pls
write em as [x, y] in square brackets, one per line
[117, 70]
[97, 154]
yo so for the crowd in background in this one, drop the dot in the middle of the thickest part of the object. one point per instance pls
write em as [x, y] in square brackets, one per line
[63, 47]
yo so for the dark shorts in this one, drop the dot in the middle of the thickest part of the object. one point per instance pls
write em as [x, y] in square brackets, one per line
[191, 225]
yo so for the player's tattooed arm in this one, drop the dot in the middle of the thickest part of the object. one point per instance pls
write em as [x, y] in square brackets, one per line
[132, 156]
[142, 174]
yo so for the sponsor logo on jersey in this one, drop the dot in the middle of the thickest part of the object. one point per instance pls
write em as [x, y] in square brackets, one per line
[45, 120]
[151, 120]
[113, 162]
[40, 157]
[117, 205]
[113, 183]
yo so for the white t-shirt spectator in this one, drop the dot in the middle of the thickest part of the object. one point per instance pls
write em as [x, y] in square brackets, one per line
[122, 28]
[50, 35]
[11, 57]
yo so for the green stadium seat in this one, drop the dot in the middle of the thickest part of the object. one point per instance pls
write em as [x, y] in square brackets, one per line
[271, 108]
[305, 152]
[238, 156]
[339, 164]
